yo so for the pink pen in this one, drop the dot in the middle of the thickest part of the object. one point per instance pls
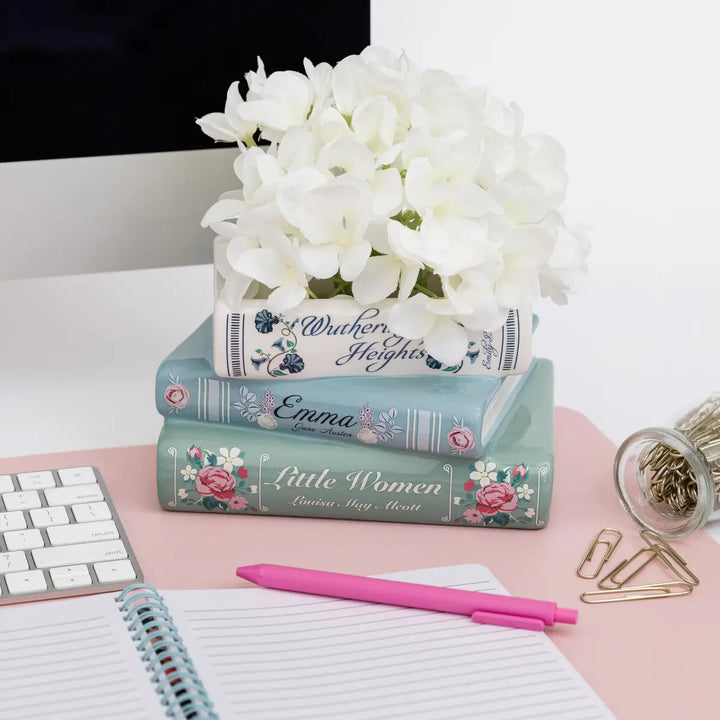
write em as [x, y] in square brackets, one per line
[486, 608]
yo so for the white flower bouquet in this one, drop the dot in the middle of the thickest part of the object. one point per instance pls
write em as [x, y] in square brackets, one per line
[376, 180]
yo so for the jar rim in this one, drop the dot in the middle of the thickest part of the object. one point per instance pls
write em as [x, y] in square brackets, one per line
[682, 525]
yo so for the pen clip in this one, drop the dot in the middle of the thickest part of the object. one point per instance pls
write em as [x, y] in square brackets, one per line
[504, 620]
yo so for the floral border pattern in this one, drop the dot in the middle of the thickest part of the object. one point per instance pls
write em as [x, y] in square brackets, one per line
[176, 395]
[283, 359]
[498, 496]
[216, 481]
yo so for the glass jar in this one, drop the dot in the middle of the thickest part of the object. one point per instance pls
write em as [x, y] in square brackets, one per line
[668, 479]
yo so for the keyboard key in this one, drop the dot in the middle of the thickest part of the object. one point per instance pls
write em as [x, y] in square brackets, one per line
[77, 476]
[12, 521]
[44, 517]
[23, 540]
[85, 532]
[26, 582]
[23, 500]
[87, 512]
[36, 480]
[69, 576]
[12, 561]
[77, 554]
[6, 484]
[73, 494]
[114, 571]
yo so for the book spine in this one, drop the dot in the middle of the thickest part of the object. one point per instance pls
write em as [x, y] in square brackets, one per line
[204, 467]
[339, 337]
[407, 415]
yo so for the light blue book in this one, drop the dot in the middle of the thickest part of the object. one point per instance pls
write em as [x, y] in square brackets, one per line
[211, 467]
[443, 415]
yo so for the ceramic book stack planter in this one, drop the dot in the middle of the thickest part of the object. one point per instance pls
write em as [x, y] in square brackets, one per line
[441, 448]
[377, 258]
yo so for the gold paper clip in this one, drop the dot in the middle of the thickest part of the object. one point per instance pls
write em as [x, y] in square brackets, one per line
[609, 544]
[670, 557]
[613, 581]
[637, 592]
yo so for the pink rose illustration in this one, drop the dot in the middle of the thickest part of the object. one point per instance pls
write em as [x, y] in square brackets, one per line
[496, 497]
[238, 502]
[177, 396]
[195, 453]
[461, 438]
[520, 470]
[215, 481]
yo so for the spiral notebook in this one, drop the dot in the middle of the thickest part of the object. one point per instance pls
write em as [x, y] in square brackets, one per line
[271, 655]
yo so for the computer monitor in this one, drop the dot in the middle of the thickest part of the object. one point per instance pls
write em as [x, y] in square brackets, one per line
[102, 166]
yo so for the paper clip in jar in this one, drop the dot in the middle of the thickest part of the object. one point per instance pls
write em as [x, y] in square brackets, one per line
[668, 479]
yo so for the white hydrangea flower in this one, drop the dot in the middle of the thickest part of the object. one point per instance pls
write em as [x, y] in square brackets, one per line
[278, 103]
[276, 263]
[228, 126]
[413, 185]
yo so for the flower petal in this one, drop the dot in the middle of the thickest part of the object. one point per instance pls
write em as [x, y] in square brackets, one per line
[320, 261]
[263, 264]
[411, 318]
[386, 191]
[353, 259]
[519, 285]
[420, 185]
[378, 280]
[286, 297]
[239, 245]
[223, 210]
[446, 341]
[235, 288]
[217, 127]
[292, 189]
[348, 155]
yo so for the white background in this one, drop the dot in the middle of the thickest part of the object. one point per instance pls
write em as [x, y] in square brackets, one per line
[631, 91]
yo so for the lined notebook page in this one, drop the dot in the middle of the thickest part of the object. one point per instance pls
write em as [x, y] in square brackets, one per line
[271, 655]
[71, 660]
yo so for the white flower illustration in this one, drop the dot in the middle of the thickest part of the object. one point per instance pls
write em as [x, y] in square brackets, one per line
[524, 491]
[484, 474]
[367, 435]
[189, 473]
[530, 512]
[267, 421]
[229, 459]
[182, 493]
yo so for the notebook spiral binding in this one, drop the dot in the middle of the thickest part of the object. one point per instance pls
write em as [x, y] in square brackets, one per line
[156, 637]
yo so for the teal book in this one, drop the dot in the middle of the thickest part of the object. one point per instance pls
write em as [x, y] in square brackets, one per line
[443, 414]
[212, 467]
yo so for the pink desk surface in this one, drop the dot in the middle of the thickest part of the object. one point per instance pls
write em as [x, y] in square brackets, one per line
[650, 659]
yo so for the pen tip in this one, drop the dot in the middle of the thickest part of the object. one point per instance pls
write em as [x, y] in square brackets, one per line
[250, 572]
[566, 615]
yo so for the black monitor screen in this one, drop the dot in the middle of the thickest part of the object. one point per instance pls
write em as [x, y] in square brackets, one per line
[107, 77]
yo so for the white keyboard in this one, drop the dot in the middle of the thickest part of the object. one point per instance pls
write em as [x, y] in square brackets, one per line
[60, 535]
